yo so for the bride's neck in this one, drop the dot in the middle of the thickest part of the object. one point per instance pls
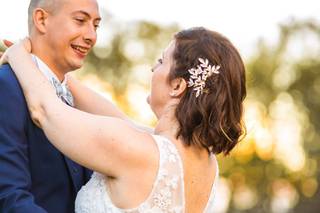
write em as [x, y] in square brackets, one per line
[167, 124]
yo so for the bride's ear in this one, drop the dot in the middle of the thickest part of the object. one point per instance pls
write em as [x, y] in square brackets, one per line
[178, 86]
[40, 19]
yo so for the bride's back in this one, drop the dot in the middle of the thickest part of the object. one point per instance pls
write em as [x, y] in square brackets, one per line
[200, 178]
[191, 172]
[182, 182]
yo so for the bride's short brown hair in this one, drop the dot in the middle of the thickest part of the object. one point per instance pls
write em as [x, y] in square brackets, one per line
[214, 119]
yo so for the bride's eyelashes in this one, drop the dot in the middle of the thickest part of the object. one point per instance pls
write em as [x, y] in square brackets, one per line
[159, 62]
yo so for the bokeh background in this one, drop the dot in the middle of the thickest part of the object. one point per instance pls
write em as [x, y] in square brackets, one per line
[276, 167]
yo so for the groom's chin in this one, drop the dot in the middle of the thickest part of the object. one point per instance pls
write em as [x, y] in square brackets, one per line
[76, 64]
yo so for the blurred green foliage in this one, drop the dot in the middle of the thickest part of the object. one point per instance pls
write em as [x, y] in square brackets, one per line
[276, 70]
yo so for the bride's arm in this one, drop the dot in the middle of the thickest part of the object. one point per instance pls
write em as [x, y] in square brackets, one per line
[89, 101]
[104, 144]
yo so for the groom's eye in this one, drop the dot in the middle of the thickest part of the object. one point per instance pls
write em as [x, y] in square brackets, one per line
[96, 26]
[80, 20]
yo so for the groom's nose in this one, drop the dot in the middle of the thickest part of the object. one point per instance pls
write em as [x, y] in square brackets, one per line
[90, 36]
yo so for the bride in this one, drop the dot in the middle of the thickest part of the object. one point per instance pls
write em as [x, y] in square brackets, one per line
[197, 93]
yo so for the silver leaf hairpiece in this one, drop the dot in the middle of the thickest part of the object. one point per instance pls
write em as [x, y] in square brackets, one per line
[200, 74]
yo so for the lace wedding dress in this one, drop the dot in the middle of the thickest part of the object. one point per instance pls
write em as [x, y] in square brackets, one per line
[167, 194]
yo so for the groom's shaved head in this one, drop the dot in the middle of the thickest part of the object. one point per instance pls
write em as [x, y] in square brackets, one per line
[48, 5]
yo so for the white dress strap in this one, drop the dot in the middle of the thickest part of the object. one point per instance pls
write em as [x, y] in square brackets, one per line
[168, 190]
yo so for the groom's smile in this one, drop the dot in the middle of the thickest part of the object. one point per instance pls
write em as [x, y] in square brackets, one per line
[80, 50]
[66, 33]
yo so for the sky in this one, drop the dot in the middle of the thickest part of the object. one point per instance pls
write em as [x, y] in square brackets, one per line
[243, 22]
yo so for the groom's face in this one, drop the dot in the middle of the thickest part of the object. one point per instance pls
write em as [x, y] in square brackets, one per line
[71, 33]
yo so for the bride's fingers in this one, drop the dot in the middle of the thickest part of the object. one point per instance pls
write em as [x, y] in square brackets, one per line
[7, 42]
[3, 58]
[27, 44]
[22, 45]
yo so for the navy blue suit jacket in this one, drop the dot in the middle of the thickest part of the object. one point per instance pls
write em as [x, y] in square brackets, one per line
[34, 176]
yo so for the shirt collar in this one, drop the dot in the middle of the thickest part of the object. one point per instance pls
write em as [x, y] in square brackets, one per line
[46, 70]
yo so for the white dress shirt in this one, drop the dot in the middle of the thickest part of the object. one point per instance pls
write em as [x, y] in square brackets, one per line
[61, 87]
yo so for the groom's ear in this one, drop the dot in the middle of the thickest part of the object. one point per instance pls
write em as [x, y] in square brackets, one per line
[40, 19]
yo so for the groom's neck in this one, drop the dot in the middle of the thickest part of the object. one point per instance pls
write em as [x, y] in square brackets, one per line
[43, 52]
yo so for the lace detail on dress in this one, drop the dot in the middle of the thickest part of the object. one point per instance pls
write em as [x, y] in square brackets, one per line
[168, 191]
[90, 199]
[167, 194]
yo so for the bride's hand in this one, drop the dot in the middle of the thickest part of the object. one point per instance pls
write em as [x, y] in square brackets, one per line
[23, 46]
[6, 44]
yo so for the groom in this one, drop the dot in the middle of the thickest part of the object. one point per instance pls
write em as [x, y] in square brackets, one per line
[34, 176]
